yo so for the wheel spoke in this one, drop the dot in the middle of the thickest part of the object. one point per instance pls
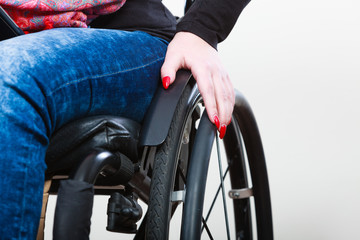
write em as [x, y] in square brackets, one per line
[215, 198]
[222, 187]
[207, 228]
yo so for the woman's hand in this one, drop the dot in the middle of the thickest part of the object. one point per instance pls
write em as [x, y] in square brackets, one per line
[188, 51]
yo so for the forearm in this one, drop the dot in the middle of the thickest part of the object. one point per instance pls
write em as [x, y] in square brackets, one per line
[212, 20]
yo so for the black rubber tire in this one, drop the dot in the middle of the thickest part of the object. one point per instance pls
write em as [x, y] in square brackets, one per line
[163, 176]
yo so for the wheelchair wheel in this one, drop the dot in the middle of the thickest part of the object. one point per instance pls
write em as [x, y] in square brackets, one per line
[176, 206]
[170, 165]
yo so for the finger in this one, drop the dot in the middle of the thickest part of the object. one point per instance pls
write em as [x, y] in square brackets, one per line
[169, 68]
[220, 102]
[207, 91]
[221, 96]
[231, 91]
[224, 99]
[229, 98]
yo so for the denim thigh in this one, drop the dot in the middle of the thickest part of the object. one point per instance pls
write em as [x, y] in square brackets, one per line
[55, 76]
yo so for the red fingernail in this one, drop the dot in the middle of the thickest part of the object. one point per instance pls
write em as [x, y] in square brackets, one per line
[222, 131]
[217, 122]
[166, 82]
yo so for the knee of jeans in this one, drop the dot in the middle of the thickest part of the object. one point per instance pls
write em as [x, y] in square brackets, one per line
[21, 59]
[23, 100]
[20, 65]
[14, 69]
[20, 84]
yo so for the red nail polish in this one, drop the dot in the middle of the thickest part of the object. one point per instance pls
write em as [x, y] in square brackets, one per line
[222, 131]
[217, 122]
[166, 82]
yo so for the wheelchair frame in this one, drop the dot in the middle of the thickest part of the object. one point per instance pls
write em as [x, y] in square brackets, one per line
[243, 129]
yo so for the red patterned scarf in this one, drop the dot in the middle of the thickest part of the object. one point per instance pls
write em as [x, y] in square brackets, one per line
[36, 15]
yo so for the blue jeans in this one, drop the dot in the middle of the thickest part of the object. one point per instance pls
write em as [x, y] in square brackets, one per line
[50, 78]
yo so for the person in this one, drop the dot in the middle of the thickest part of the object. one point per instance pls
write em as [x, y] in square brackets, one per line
[113, 66]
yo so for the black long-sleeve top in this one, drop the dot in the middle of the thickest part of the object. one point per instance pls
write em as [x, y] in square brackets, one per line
[212, 20]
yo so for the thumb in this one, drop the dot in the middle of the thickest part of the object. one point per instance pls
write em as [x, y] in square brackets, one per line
[168, 70]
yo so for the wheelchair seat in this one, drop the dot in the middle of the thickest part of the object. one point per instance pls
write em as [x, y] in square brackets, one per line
[75, 140]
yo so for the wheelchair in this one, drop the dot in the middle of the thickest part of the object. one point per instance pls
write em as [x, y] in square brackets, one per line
[164, 162]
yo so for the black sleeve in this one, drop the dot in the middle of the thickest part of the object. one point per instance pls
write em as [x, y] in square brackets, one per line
[212, 20]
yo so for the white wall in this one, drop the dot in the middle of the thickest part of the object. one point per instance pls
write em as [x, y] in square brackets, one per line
[297, 62]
